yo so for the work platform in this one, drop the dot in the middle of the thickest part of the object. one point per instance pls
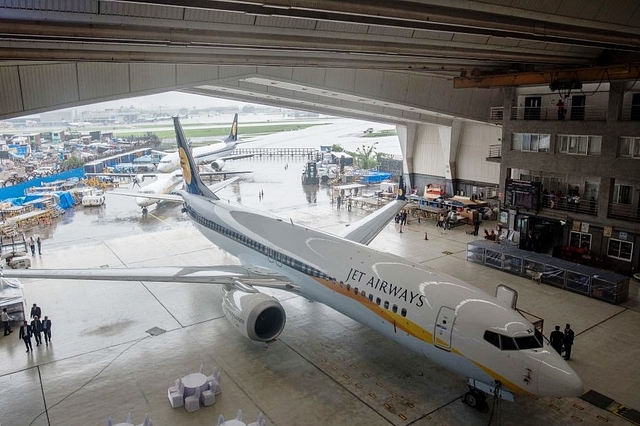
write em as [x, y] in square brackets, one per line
[105, 359]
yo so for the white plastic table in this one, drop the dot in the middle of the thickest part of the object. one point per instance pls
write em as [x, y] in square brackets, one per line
[192, 382]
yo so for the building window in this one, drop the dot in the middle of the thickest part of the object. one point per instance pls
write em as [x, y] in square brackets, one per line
[531, 142]
[580, 239]
[620, 249]
[622, 194]
[579, 144]
[629, 147]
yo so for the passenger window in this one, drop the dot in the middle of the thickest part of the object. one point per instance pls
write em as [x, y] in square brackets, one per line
[386, 304]
[355, 290]
[507, 343]
[378, 301]
[403, 312]
[371, 297]
[395, 309]
[492, 338]
[348, 287]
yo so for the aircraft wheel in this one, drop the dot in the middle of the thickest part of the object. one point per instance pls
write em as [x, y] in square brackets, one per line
[476, 399]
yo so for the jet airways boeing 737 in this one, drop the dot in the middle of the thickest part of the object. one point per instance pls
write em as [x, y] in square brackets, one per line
[214, 154]
[450, 322]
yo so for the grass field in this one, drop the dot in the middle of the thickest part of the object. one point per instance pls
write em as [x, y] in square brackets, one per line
[219, 132]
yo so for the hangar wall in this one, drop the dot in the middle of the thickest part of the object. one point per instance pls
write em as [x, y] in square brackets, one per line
[468, 164]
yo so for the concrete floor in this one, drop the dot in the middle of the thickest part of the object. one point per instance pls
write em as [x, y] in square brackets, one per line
[325, 369]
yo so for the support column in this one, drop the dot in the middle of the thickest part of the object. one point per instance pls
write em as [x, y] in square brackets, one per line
[450, 140]
[407, 137]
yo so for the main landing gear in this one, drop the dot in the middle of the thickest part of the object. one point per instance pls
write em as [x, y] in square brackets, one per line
[476, 398]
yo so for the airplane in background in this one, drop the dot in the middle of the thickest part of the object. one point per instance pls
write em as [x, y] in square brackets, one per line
[214, 154]
[448, 321]
[165, 183]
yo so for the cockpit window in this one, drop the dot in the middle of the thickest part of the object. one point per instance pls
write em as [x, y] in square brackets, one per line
[492, 338]
[507, 343]
[530, 342]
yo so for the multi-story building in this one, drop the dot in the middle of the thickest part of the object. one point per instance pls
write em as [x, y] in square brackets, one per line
[577, 151]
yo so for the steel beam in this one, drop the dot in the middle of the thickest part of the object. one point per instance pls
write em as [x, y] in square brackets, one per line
[583, 75]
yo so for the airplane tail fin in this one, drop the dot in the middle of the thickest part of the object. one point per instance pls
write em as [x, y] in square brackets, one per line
[233, 134]
[192, 182]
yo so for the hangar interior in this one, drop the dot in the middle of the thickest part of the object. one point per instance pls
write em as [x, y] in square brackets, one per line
[473, 87]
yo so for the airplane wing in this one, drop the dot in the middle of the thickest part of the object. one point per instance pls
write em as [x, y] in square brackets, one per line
[235, 275]
[367, 228]
[230, 172]
[142, 174]
[159, 197]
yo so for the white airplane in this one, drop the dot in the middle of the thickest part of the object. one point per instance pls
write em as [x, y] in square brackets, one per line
[165, 183]
[214, 154]
[450, 322]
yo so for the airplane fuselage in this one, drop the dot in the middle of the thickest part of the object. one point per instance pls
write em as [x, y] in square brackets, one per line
[438, 316]
[202, 154]
[164, 184]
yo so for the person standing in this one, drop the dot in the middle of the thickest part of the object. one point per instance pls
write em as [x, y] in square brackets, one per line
[25, 334]
[32, 245]
[557, 339]
[36, 311]
[476, 223]
[568, 341]
[36, 329]
[6, 322]
[46, 329]
[39, 243]
[561, 109]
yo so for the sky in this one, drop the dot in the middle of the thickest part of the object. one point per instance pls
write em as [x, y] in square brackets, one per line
[168, 99]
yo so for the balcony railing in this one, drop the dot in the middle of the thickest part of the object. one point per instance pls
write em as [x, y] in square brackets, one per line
[550, 113]
[623, 212]
[495, 151]
[570, 204]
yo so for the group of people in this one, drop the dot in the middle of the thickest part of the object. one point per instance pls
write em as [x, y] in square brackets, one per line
[447, 221]
[36, 329]
[401, 219]
[562, 340]
[32, 246]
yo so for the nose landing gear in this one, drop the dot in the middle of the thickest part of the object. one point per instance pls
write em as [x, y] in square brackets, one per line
[476, 399]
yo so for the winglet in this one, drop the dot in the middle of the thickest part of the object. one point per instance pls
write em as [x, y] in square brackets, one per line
[233, 134]
[192, 182]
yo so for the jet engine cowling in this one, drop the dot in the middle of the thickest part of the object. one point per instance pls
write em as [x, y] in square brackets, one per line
[256, 316]
[217, 165]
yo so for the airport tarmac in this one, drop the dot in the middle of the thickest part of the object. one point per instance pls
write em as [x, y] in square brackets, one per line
[325, 369]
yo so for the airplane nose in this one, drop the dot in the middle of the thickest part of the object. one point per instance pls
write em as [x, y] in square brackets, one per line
[557, 378]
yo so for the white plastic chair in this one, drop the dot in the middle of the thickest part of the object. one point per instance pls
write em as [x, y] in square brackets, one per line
[536, 277]
[208, 397]
[260, 421]
[215, 377]
[176, 394]
[192, 403]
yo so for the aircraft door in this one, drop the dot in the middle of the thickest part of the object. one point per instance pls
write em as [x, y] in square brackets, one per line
[444, 328]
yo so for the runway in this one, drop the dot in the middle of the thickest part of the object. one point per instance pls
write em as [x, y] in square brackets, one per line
[325, 369]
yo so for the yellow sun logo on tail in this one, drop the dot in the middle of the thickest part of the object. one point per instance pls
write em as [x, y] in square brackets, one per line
[184, 163]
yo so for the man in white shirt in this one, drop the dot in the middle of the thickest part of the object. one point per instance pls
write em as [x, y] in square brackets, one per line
[5, 322]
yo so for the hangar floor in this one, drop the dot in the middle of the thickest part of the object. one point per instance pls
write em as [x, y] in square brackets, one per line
[324, 369]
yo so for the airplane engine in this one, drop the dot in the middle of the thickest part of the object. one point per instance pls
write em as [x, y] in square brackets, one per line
[217, 165]
[256, 316]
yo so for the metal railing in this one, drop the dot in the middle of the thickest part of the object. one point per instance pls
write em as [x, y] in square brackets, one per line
[585, 113]
[623, 212]
[495, 151]
[569, 204]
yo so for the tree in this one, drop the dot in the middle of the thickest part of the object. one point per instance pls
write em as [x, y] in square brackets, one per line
[366, 156]
[336, 148]
[72, 162]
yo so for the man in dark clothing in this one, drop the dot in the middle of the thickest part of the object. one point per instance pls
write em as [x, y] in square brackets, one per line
[39, 243]
[36, 330]
[25, 334]
[568, 341]
[36, 311]
[556, 339]
[46, 329]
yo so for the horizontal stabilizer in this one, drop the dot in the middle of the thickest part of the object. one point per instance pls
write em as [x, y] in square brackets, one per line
[151, 196]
